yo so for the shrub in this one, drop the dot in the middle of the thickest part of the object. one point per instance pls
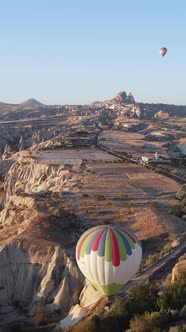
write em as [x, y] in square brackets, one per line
[128, 204]
[166, 249]
[173, 295]
[117, 308]
[42, 316]
[118, 316]
[95, 321]
[107, 203]
[151, 259]
[110, 324]
[159, 318]
[117, 215]
[183, 312]
[174, 329]
[46, 225]
[141, 323]
[20, 219]
[174, 172]
[142, 298]
[85, 195]
[183, 328]
[180, 195]
[104, 221]
[175, 315]
[88, 324]
[121, 195]
[174, 212]
[99, 197]
[54, 212]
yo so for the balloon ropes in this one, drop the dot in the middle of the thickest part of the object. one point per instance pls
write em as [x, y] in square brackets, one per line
[108, 256]
[163, 51]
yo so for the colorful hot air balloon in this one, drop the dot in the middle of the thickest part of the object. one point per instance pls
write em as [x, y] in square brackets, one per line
[108, 256]
[163, 51]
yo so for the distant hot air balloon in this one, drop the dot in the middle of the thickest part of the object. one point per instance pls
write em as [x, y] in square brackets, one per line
[108, 256]
[163, 51]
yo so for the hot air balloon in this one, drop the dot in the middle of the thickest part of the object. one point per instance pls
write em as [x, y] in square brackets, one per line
[163, 51]
[108, 256]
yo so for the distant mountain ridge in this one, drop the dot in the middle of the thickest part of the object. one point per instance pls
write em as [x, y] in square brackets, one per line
[31, 102]
[121, 98]
[123, 104]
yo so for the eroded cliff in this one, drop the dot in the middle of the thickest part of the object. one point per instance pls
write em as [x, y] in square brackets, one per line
[35, 274]
[38, 235]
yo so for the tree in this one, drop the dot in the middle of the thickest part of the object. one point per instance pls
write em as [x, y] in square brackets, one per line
[42, 316]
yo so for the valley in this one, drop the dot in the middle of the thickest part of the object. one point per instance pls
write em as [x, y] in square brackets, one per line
[64, 169]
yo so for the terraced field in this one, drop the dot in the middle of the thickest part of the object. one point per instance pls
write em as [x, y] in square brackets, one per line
[72, 156]
[132, 143]
[128, 194]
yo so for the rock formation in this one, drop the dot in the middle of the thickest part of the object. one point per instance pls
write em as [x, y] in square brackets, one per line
[123, 98]
[179, 270]
[37, 274]
[38, 237]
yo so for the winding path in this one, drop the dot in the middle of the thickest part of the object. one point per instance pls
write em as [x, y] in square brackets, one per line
[148, 273]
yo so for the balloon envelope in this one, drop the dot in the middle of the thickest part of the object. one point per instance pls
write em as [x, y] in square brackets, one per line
[108, 256]
[163, 51]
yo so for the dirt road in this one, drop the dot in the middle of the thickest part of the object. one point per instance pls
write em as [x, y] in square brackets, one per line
[148, 273]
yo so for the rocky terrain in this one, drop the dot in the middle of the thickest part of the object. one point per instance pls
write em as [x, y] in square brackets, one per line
[31, 122]
[66, 168]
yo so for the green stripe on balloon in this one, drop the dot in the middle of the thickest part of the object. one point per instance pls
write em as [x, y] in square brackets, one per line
[108, 290]
[108, 247]
[132, 245]
[85, 243]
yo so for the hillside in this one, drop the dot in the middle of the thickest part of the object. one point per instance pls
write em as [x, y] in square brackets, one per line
[66, 168]
[31, 103]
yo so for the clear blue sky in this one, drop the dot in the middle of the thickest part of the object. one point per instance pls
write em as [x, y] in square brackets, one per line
[79, 51]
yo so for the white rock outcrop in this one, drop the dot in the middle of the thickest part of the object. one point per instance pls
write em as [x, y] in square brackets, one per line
[32, 275]
[28, 176]
[36, 270]
[89, 299]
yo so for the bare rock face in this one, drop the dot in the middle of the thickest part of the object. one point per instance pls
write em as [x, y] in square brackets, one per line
[34, 275]
[38, 236]
[27, 175]
[90, 301]
[123, 98]
[179, 270]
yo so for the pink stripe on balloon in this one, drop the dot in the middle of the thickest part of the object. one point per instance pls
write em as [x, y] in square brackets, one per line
[129, 235]
[115, 250]
[95, 244]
